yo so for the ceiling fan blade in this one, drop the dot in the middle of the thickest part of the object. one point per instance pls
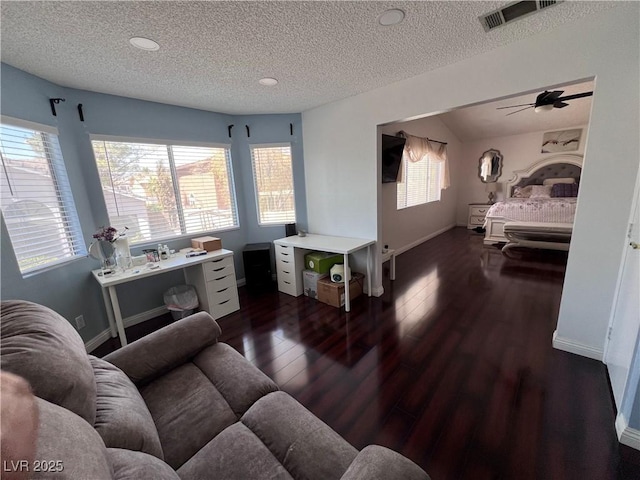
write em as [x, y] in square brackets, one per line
[548, 97]
[558, 104]
[572, 97]
[531, 106]
[514, 106]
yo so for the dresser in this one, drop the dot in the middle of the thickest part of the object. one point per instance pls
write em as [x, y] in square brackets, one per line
[477, 214]
[215, 283]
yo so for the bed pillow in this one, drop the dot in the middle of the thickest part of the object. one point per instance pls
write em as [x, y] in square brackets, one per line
[553, 181]
[541, 191]
[564, 190]
[522, 192]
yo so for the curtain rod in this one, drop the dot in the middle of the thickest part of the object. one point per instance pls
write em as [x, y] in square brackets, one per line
[404, 134]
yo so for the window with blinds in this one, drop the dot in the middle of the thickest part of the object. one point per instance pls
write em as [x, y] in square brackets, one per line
[159, 191]
[273, 181]
[37, 203]
[420, 182]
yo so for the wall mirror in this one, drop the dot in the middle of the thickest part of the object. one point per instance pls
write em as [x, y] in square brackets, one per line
[490, 166]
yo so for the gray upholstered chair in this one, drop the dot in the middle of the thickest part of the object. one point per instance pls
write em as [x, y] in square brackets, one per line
[176, 404]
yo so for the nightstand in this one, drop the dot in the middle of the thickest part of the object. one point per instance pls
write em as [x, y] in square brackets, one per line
[477, 214]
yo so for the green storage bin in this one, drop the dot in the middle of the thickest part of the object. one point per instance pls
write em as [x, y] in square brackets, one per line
[321, 262]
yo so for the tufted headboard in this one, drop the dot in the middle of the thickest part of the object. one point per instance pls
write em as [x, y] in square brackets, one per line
[558, 166]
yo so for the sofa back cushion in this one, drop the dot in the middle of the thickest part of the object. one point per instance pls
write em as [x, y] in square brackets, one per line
[122, 418]
[68, 447]
[40, 345]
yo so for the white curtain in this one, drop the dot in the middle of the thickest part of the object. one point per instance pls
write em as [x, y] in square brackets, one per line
[416, 148]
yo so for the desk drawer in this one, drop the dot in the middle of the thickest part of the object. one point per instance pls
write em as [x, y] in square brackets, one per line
[222, 283]
[285, 286]
[284, 252]
[224, 304]
[217, 269]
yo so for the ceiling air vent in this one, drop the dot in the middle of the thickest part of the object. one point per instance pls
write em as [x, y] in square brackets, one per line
[514, 11]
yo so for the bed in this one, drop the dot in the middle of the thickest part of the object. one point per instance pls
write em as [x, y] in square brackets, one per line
[539, 207]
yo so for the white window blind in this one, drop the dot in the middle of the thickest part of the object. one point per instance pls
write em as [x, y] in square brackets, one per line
[37, 203]
[160, 191]
[420, 182]
[273, 181]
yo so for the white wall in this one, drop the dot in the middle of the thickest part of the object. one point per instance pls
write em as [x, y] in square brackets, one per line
[405, 228]
[519, 152]
[342, 168]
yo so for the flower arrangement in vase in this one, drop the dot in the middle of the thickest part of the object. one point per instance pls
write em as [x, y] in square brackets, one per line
[109, 247]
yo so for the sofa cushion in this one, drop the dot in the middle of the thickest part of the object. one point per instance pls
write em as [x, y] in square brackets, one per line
[163, 350]
[41, 346]
[122, 418]
[239, 382]
[71, 447]
[379, 463]
[188, 412]
[236, 453]
[306, 447]
[130, 465]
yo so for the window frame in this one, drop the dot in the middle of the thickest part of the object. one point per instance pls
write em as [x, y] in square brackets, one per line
[405, 176]
[177, 143]
[64, 192]
[255, 183]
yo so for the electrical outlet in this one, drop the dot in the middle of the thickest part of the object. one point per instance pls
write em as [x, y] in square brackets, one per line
[80, 322]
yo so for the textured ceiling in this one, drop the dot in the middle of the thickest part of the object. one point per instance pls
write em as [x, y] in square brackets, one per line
[213, 53]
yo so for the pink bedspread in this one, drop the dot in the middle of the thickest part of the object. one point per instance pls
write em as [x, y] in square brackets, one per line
[550, 210]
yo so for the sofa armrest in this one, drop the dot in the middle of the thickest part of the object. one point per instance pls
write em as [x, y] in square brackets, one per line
[167, 348]
[379, 463]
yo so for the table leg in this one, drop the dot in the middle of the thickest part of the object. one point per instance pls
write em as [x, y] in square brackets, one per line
[393, 266]
[347, 299]
[369, 270]
[107, 307]
[118, 315]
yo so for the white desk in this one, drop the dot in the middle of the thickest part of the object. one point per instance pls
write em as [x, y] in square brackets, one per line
[341, 245]
[108, 283]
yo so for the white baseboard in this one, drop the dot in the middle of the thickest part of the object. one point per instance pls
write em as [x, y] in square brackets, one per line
[98, 340]
[424, 239]
[626, 435]
[578, 348]
[105, 335]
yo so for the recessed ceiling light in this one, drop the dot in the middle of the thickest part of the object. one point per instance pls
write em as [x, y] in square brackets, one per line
[268, 81]
[144, 44]
[391, 17]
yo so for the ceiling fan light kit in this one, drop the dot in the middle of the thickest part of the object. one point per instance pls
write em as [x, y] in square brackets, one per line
[543, 108]
[547, 101]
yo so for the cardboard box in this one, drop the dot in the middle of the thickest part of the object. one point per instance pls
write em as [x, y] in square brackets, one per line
[207, 243]
[310, 282]
[321, 262]
[332, 293]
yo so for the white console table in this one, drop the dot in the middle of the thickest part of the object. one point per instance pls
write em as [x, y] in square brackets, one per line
[322, 243]
[177, 262]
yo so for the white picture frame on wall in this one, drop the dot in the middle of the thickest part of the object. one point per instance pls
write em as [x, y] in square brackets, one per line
[561, 141]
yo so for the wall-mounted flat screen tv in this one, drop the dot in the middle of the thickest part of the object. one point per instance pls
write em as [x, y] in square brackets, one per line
[392, 148]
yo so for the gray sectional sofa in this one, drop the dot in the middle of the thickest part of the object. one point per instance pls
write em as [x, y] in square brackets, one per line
[176, 404]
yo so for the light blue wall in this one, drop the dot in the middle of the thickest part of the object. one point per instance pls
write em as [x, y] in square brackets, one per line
[70, 289]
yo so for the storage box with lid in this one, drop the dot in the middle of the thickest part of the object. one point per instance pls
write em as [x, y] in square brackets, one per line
[321, 262]
[207, 243]
[310, 282]
[332, 293]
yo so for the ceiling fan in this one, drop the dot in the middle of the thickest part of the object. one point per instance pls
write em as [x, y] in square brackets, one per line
[548, 101]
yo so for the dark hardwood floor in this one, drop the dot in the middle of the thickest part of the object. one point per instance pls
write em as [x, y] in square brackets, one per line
[453, 366]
